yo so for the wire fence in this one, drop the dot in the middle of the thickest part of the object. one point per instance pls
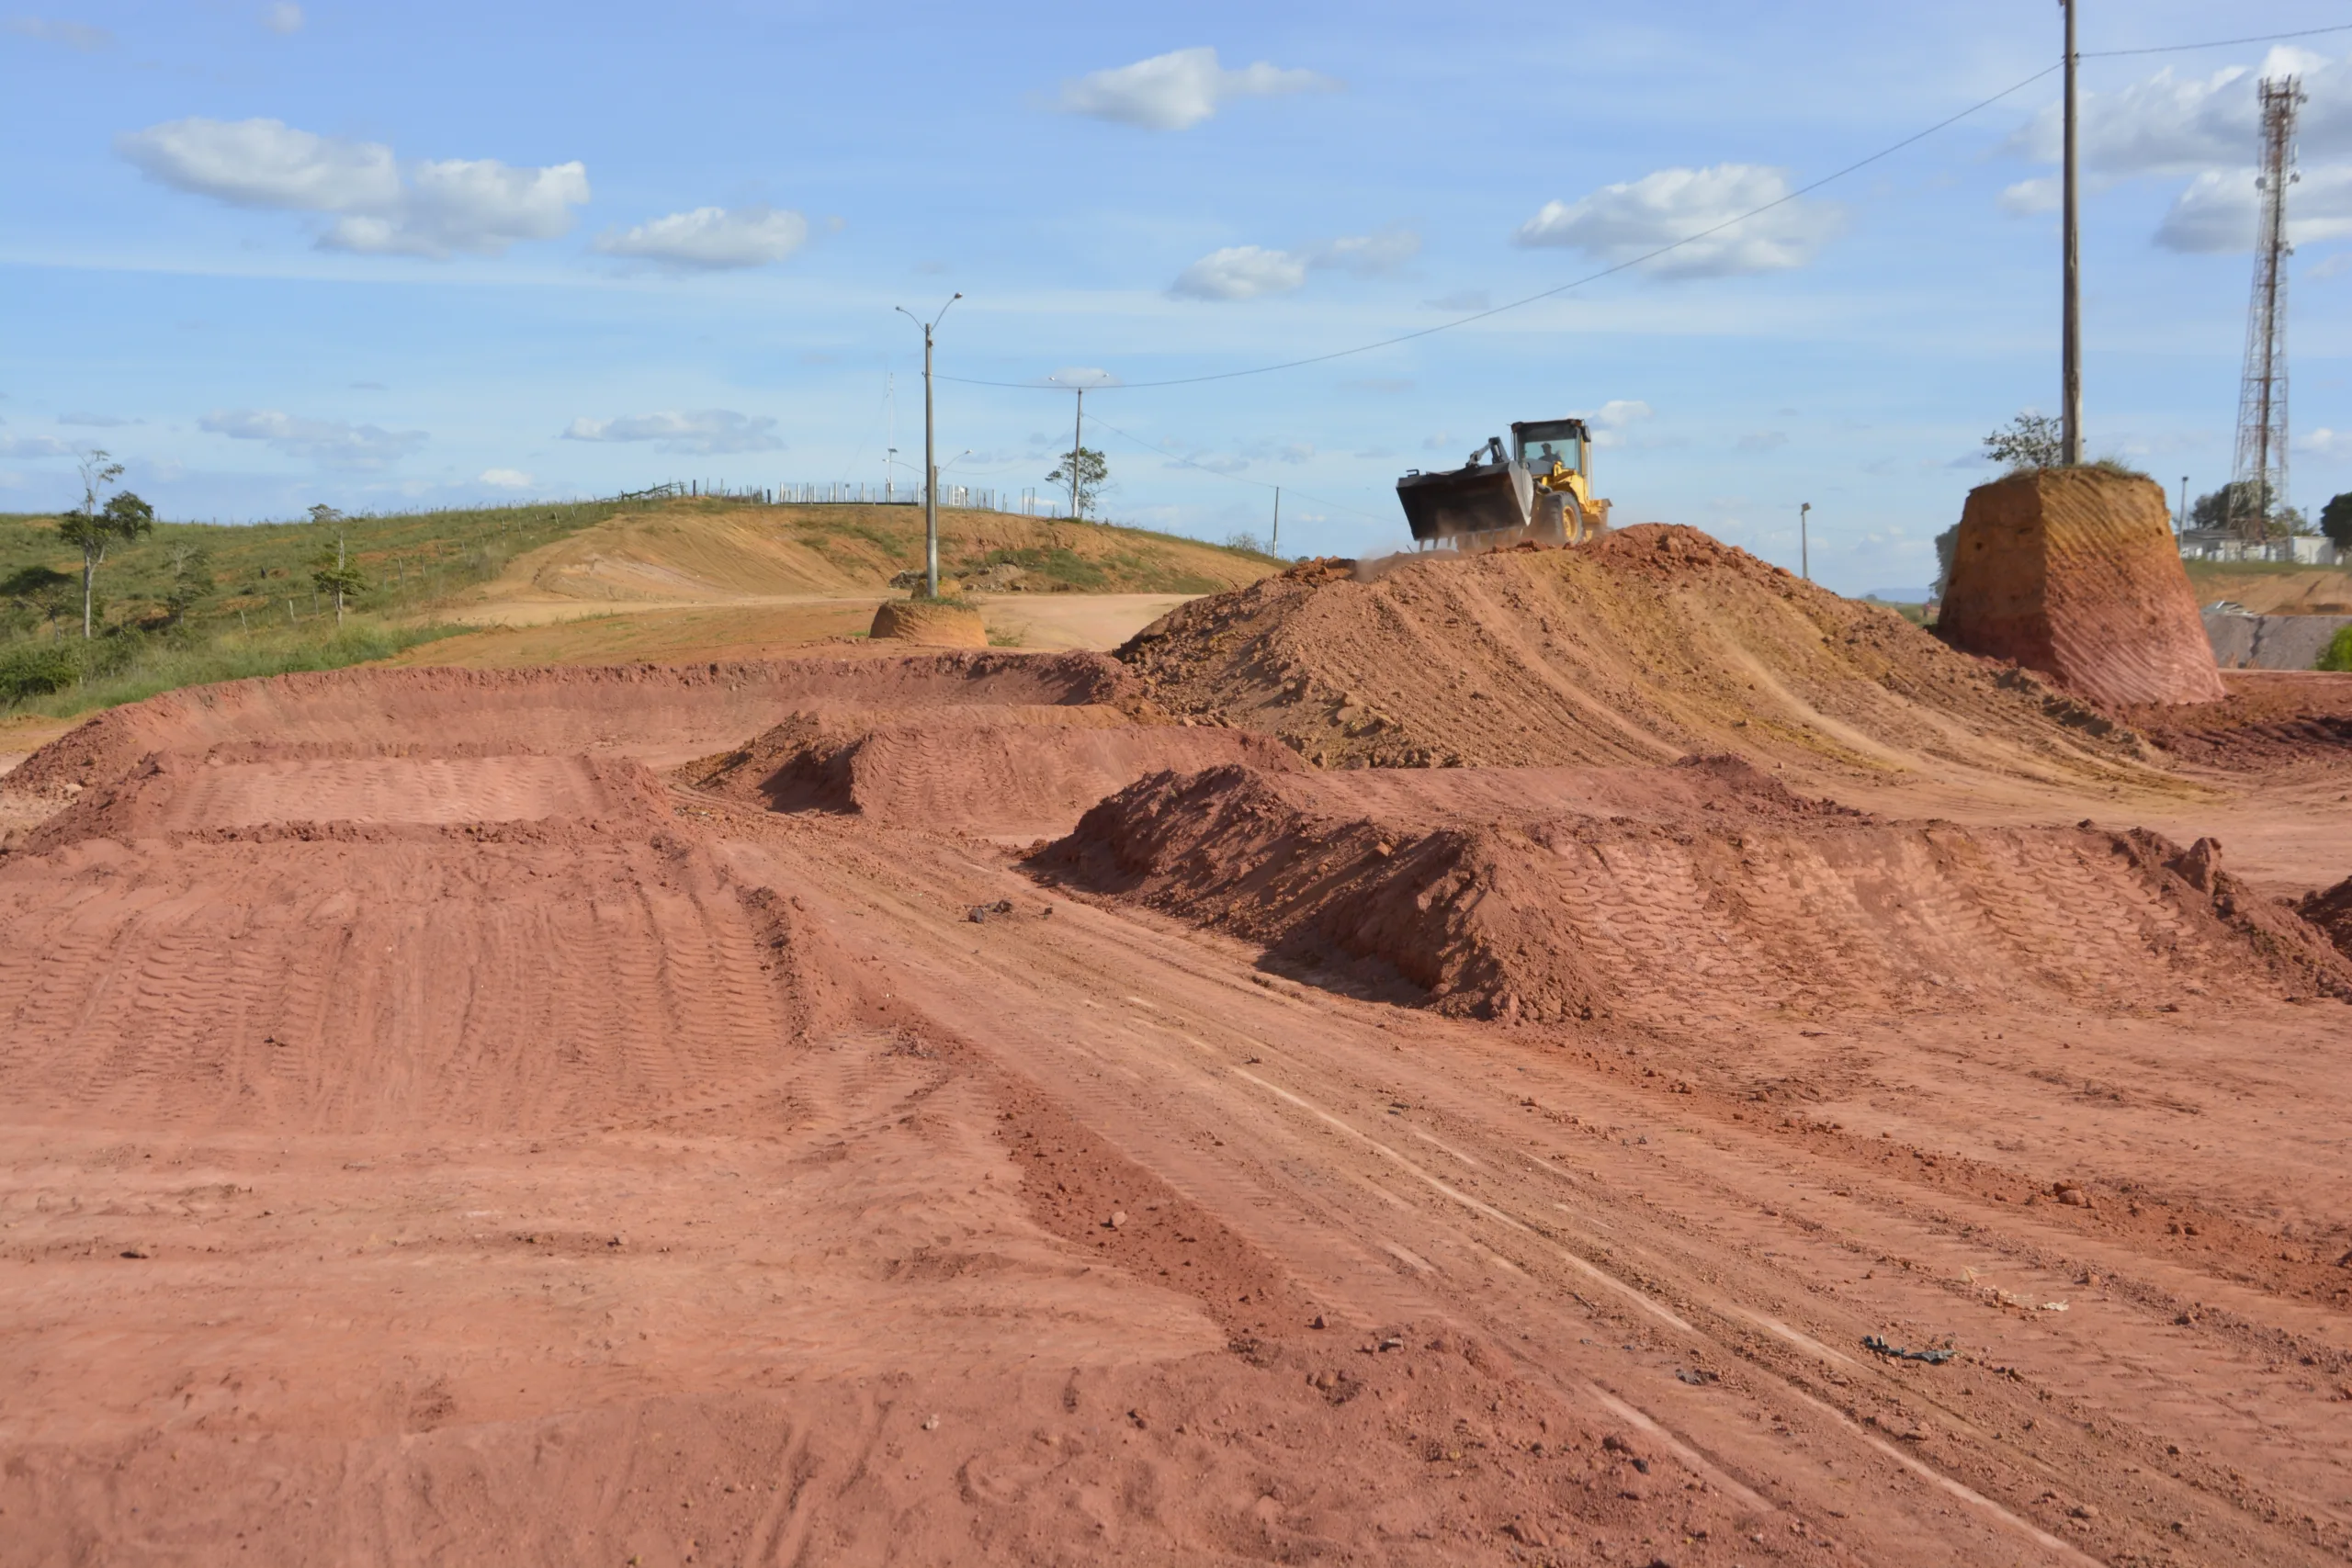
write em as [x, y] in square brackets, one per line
[1025, 502]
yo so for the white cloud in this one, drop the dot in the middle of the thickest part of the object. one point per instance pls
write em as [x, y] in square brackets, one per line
[1613, 417]
[72, 35]
[99, 421]
[1622, 223]
[1087, 376]
[2206, 127]
[2219, 209]
[1180, 89]
[704, 430]
[283, 18]
[1240, 272]
[507, 479]
[479, 205]
[712, 237]
[33, 446]
[329, 442]
[1369, 253]
[264, 162]
[2028, 197]
[1251, 272]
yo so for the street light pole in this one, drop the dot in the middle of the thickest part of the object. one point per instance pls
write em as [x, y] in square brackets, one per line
[930, 452]
[2071, 356]
[1805, 543]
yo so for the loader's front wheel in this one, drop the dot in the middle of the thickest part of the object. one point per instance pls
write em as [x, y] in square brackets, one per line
[1572, 531]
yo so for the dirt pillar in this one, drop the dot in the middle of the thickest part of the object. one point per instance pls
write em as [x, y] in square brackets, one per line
[2074, 572]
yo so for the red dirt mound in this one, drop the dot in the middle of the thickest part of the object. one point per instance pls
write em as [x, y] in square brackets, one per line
[519, 976]
[2271, 718]
[940, 625]
[2074, 572]
[1653, 643]
[1012, 771]
[173, 793]
[1676, 893]
[2331, 912]
[662, 714]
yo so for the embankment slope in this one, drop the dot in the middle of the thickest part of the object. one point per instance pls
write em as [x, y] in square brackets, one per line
[1655, 643]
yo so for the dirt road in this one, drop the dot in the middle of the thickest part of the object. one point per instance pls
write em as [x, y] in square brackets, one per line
[434, 1134]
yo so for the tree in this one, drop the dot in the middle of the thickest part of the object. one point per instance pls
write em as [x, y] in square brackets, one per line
[2336, 522]
[2029, 442]
[324, 514]
[2219, 509]
[1093, 477]
[190, 583]
[340, 576]
[123, 518]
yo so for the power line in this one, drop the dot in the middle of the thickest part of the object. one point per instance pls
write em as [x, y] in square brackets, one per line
[1672, 246]
[2217, 43]
[1237, 479]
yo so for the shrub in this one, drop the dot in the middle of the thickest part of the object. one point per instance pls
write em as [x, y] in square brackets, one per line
[38, 671]
[2339, 651]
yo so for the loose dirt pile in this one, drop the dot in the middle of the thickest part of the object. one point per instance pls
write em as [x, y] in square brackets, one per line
[1009, 771]
[1655, 643]
[2075, 572]
[1672, 894]
[940, 625]
[2269, 721]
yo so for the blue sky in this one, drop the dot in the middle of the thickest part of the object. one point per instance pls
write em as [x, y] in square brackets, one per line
[274, 253]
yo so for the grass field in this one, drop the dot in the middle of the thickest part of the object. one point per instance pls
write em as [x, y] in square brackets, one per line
[195, 602]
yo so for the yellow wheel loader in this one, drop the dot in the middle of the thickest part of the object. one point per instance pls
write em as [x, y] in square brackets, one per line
[1539, 490]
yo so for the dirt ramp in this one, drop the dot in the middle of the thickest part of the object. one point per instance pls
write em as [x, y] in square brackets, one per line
[1655, 643]
[662, 713]
[2074, 572]
[527, 977]
[1721, 895]
[173, 793]
[1013, 771]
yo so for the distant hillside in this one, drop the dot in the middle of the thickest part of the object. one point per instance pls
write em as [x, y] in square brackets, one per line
[2271, 588]
[714, 551]
[195, 601]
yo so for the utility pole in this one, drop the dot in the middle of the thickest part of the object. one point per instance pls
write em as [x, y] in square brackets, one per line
[1805, 543]
[2071, 371]
[930, 451]
[2182, 526]
[1276, 547]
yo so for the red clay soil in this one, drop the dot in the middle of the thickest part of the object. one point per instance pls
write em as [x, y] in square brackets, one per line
[2269, 719]
[662, 712]
[941, 626]
[1008, 770]
[1667, 894]
[2331, 912]
[1653, 643]
[428, 1136]
[2075, 572]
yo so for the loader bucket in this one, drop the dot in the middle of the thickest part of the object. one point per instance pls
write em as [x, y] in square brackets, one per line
[1481, 499]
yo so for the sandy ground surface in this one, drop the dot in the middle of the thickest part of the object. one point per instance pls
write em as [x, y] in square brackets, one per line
[521, 634]
[457, 1115]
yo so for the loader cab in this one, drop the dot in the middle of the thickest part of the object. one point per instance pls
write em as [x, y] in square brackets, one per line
[1536, 442]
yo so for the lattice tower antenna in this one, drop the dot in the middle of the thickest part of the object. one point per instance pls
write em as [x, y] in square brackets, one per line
[2258, 476]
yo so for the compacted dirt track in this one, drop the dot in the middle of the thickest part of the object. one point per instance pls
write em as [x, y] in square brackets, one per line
[670, 1116]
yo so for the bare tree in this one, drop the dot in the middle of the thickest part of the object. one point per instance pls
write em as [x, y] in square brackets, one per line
[123, 518]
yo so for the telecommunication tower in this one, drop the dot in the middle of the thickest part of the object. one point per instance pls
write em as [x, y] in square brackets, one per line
[2258, 476]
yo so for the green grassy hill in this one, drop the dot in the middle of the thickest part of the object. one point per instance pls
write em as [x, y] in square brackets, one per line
[195, 601]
